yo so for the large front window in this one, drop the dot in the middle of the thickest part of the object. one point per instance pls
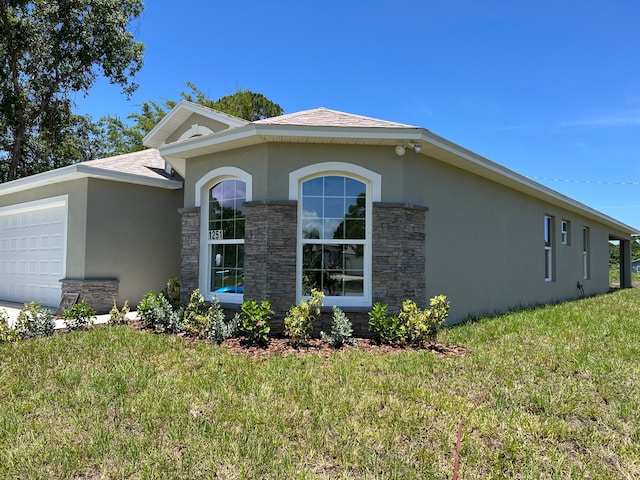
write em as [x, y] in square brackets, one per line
[334, 236]
[225, 237]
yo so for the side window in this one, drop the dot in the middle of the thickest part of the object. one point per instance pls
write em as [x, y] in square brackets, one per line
[225, 239]
[548, 248]
[585, 253]
[565, 232]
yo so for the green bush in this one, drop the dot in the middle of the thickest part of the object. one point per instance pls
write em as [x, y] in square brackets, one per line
[298, 323]
[206, 320]
[117, 316]
[412, 326]
[156, 312]
[254, 324]
[7, 332]
[383, 327]
[78, 316]
[34, 321]
[341, 330]
[172, 292]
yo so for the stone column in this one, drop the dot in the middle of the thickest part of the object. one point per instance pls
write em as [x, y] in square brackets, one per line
[270, 255]
[189, 252]
[399, 233]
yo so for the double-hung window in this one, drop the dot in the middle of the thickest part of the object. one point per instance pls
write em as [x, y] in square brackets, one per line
[565, 232]
[585, 253]
[548, 248]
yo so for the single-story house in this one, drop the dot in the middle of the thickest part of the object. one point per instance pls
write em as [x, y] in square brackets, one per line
[106, 229]
[366, 210]
[635, 266]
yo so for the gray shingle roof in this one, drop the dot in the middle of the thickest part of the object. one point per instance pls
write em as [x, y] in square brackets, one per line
[146, 163]
[323, 117]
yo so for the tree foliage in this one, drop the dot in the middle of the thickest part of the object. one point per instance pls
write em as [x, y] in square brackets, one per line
[50, 50]
[122, 137]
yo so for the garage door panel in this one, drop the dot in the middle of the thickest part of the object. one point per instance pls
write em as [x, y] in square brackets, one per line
[32, 253]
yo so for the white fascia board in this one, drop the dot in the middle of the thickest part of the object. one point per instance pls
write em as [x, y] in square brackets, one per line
[179, 114]
[501, 174]
[253, 134]
[77, 171]
[124, 177]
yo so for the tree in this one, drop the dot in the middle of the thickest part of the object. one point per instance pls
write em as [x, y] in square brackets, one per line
[50, 50]
[119, 137]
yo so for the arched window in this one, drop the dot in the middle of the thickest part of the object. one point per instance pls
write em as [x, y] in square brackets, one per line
[333, 218]
[226, 237]
[334, 231]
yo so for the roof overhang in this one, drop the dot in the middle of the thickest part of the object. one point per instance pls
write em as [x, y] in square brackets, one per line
[431, 145]
[179, 114]
[78, 171]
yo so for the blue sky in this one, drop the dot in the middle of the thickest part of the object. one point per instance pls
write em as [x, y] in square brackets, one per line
[550, 89]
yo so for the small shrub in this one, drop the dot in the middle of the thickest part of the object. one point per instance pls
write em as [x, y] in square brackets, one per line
[156, 312]
[117, 316]
[412, 326]
[78, 316]
[298, 323]
[384, 327]
[341, 330]
[172, 292]
[197, 316]
[420, 326]
[206, 320]
[34, 321]
[7, 332]
[255, 321]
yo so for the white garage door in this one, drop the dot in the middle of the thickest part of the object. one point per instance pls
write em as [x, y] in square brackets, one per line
[33, 251]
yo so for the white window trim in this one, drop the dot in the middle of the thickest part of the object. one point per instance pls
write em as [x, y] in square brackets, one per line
[585, 252]
[549, 248]
[201, 191]
[564, 232]
[373, 182]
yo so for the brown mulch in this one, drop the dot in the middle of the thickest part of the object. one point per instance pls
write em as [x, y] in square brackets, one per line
[283, 347]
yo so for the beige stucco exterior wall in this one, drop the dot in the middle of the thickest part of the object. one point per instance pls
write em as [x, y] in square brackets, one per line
[195, 118]
[133, 235]
[484, 242]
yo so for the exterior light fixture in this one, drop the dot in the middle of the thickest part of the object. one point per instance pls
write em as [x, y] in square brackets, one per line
[401, 149]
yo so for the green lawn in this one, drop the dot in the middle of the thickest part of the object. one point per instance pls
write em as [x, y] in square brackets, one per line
[115, 402]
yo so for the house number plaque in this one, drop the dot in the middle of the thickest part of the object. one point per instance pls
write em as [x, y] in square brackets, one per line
[216, 235]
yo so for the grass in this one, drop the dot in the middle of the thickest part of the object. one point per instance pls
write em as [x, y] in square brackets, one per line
[115, 402]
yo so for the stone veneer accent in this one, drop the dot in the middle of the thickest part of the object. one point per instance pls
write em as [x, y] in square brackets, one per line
[98, 293]
[189, 252]
[270, 256]
[399, 233]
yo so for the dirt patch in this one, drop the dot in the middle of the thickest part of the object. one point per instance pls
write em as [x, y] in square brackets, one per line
[282, 346]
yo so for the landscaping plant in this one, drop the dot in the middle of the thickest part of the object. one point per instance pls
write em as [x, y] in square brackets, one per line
[412, 326]
[254, 321]
[206, 320]
[298, 323]
[34, 321]
[78, 316]
[341, 330]
[156, 312]
[383, 326]
[117, 316]
[172, 292]
[7, 332]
